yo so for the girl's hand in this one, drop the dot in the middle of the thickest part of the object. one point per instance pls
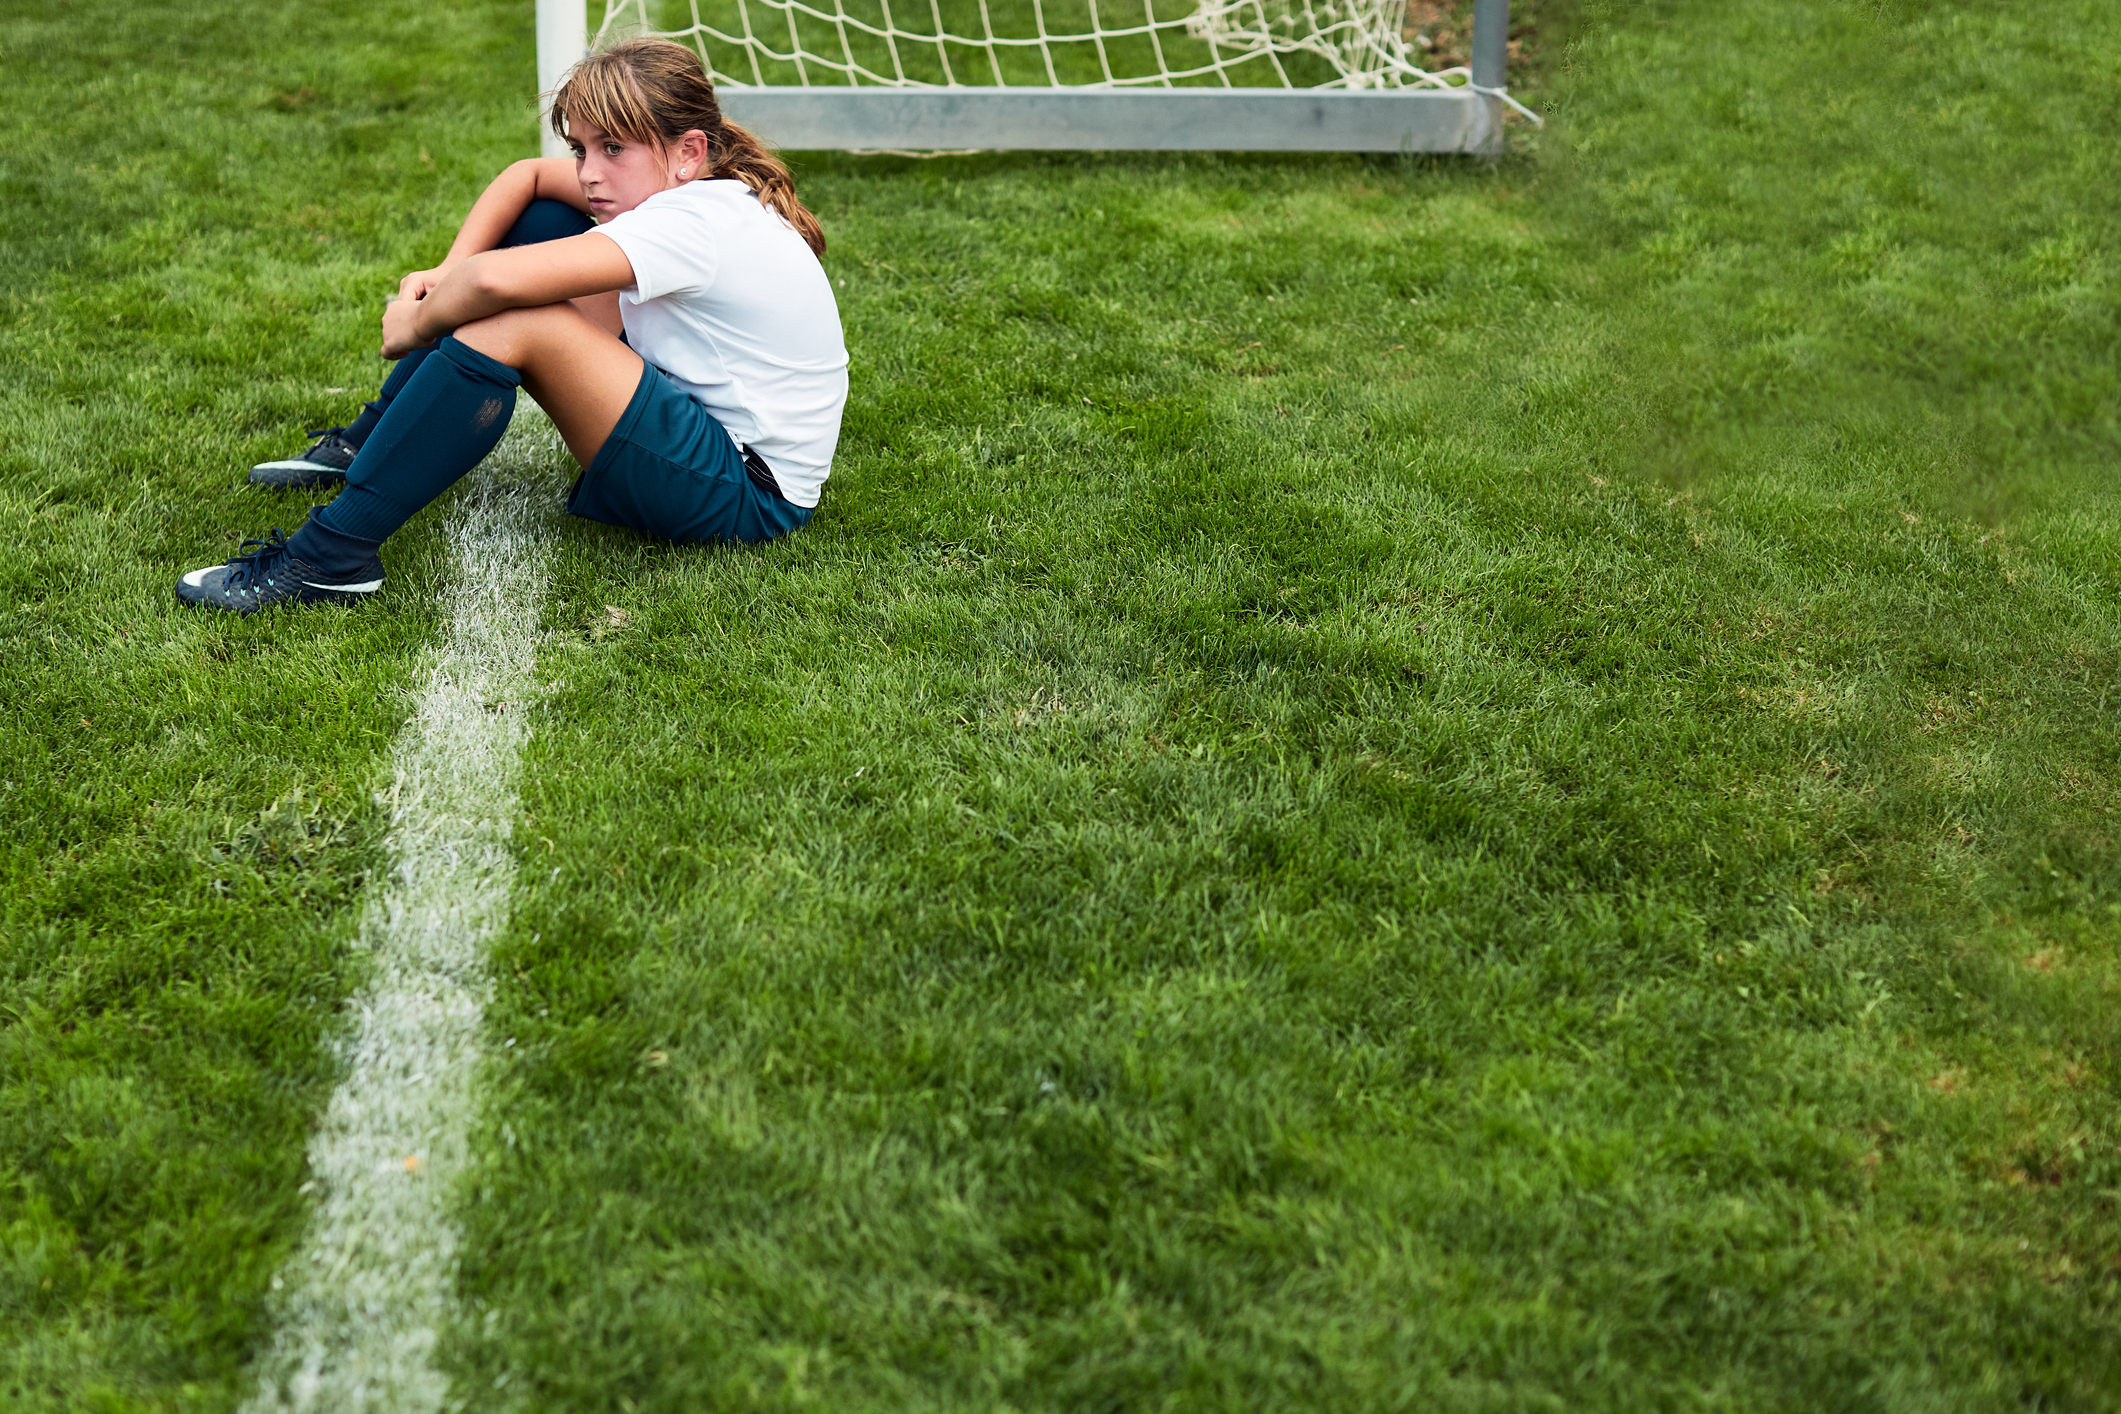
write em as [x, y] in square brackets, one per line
[400, 336]
[419, 282]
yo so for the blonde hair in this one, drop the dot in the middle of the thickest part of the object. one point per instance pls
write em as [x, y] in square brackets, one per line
[653, 91]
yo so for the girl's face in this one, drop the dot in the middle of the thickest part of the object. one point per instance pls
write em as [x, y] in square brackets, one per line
[618, 174]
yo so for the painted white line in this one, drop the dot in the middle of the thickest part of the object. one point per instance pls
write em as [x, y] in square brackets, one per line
[362, 1303]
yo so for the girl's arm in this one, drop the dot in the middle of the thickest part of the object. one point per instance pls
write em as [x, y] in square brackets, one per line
[494, 280]
[506, 197]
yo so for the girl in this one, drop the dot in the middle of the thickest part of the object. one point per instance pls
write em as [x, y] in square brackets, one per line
[687, 346]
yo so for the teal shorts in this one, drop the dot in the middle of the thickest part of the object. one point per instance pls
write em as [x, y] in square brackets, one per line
[670, 471]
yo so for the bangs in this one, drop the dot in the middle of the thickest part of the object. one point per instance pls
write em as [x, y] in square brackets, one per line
[602, 93]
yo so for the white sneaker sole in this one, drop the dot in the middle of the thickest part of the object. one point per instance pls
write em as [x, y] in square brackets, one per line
[197, 578]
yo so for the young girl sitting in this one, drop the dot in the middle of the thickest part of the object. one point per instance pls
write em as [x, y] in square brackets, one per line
[687, 346]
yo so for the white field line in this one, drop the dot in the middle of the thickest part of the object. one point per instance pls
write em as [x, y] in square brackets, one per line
[361, 1304]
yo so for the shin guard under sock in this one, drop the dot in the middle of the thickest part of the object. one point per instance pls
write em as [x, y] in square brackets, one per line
[448, 415]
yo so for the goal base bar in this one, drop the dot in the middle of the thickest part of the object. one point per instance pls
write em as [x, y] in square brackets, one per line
[1138, 120]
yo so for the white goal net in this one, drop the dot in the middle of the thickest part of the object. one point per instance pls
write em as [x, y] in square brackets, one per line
[1315, 44]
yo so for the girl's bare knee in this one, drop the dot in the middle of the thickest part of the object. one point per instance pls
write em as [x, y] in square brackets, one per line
[488, 336]
[514, 336]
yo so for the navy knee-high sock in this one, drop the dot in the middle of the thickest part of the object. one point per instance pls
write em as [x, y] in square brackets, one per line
[441, 424]
[542, 220]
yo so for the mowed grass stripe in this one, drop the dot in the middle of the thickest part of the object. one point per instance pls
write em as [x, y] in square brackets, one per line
[374, 1279]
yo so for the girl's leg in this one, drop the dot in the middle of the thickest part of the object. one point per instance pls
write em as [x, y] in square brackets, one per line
[580, 374]
[325, 461]
[453, 410]
[542, 220]
[546, 220]
[444, 420]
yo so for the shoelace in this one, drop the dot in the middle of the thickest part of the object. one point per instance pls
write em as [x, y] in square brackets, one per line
[250, 566]
[323, 434]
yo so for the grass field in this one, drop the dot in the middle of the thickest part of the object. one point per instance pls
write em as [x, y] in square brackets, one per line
[1381, 785]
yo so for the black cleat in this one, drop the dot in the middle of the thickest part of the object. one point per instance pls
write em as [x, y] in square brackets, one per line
[270, 574]
[324, 464]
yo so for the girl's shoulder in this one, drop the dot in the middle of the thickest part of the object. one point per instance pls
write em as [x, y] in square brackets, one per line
[708, 192]
[718, 214]
[720, 201]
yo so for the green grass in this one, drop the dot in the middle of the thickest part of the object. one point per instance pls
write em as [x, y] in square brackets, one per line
[1381, 785]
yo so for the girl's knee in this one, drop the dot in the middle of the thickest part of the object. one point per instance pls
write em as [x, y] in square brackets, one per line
[546, 220]
[508, 337]
[489, 336]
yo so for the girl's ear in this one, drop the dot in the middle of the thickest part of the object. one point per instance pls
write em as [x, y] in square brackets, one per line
[691, 153]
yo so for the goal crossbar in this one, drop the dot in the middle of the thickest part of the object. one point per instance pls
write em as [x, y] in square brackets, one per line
[1169, 119]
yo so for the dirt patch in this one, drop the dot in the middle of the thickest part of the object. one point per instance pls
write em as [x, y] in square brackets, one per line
[1442, 32]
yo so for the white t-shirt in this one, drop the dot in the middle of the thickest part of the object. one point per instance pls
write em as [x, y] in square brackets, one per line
[729, 301]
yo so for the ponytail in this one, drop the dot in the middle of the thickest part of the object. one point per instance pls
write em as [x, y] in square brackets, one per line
[650, 90]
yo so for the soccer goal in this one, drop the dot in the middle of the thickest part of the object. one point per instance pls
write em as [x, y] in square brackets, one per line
[1200, 75]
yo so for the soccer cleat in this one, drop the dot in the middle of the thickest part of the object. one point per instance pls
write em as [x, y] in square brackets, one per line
[324, 464]
[267, 572]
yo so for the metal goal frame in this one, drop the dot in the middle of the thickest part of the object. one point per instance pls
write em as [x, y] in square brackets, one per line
[1466, 119]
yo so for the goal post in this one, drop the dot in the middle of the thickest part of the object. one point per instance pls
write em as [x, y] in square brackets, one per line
[563, 38]
[1190, 75]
